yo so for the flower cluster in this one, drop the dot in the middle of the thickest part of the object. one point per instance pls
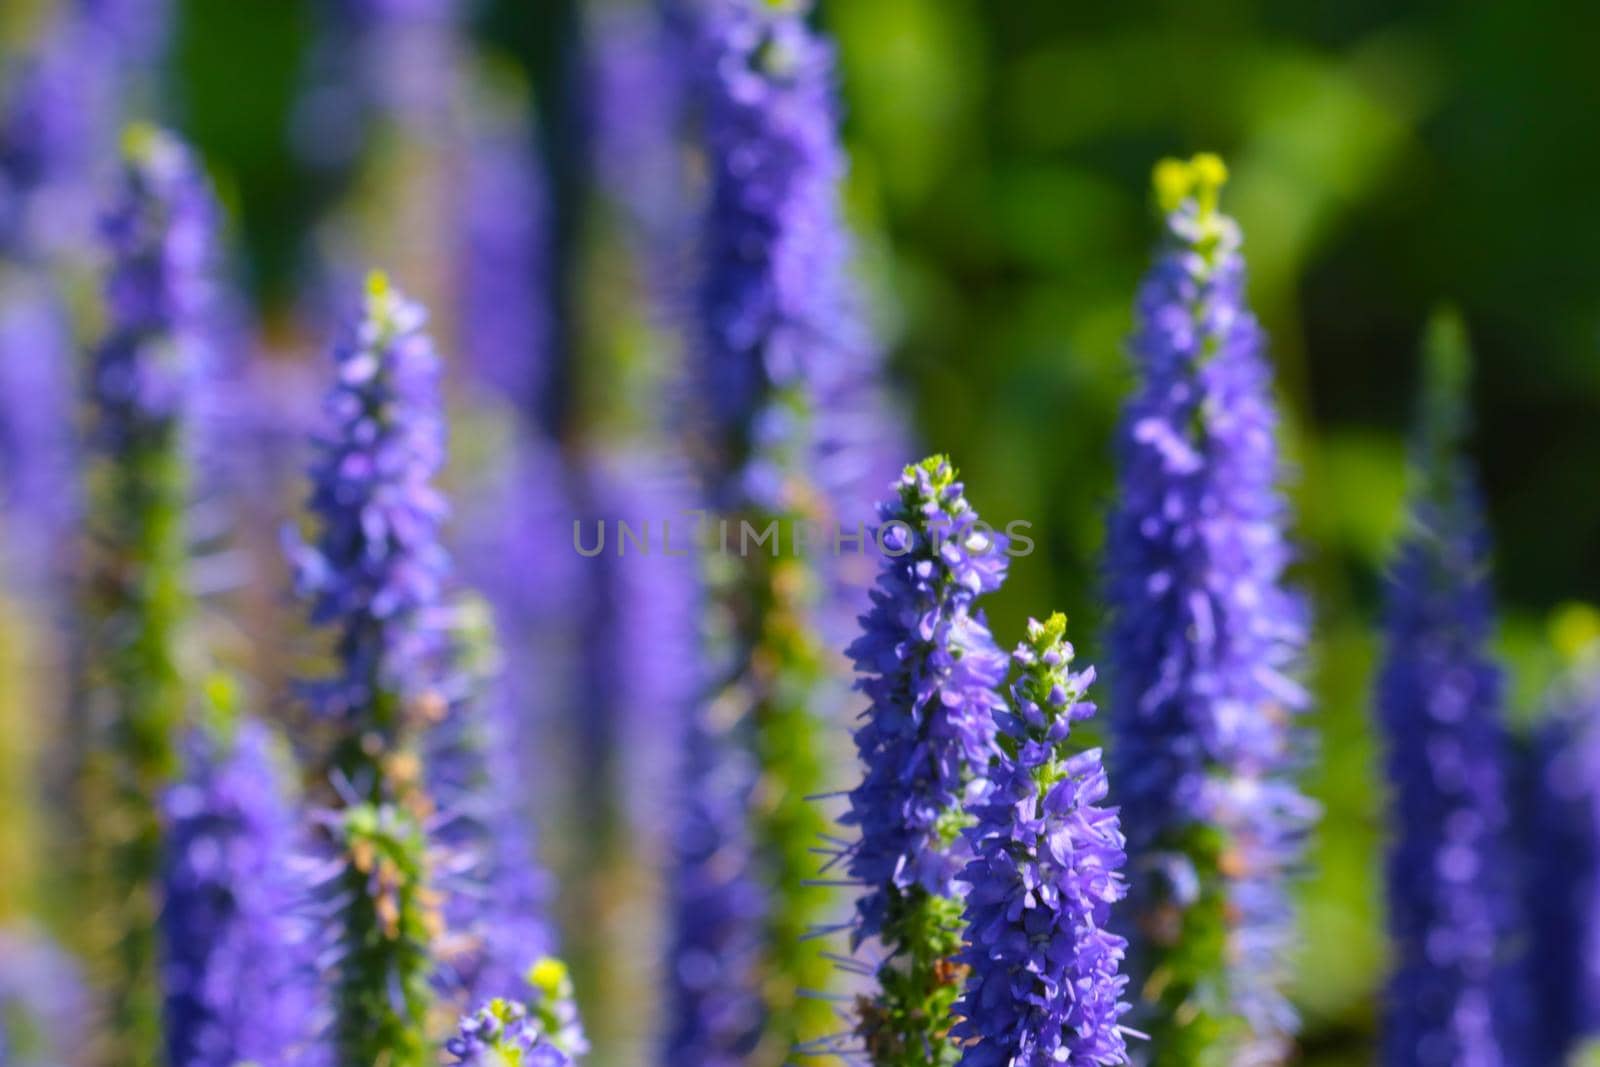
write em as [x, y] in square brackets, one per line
[376, 576]
[237, 967]
[1562, 899]
[1203, 638]
[792, 374]
[932, 673]
[1044, 985]
[505, 1033]
[377, 570]
[501, 1034]
[1439, 697]
[161, 232]
[160, 294]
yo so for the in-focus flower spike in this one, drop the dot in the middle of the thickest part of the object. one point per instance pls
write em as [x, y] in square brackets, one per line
[238, 965]
[1439, 704]
[161, 232]
[1204, 639]
[375, 576]
[1561, 897]
[933, 675]
[1044, 984]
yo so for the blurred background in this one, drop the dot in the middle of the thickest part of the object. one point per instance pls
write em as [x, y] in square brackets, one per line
[1385, 158]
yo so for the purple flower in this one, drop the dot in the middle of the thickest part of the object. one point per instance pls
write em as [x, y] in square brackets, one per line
[932, 674]
[1044, 985]
[791, 371]
[502, 1033]
[238, 973]
[376, 577]
[1204, 640]
[505, 1031]
[161, 233]
[1562, 893]
[1438, 703]
[160, 293]
[377, 570]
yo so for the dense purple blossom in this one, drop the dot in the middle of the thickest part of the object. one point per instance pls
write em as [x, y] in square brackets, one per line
[377, 569]
[43, 1003]
[1562, 893]
[160, 232]
[237, 969]
[160, 292]
[1203, 640]
[1439, 699]
[780, 304]
[376, 576]
[932, 672]
[502, 1033]
[1044, 985]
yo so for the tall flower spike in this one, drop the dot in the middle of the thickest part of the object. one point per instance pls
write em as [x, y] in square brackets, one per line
[1203, 639]
[1438, 703]
[1044, 985]
[783, 367]
[161, 232]
[932, 672]
[1561, 899]
[375, 576]
[238, 963]
[377, 571]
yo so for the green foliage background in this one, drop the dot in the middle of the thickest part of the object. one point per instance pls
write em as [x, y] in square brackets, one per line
[1386, 156]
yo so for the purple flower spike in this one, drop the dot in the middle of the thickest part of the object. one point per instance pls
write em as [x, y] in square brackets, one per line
[932, 673]
[1561, 901]
[160, 292]
[1438, 702]
[1204, 641]
[1044, 986]
[501, 1034]
[238, 970]
[377, 570]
